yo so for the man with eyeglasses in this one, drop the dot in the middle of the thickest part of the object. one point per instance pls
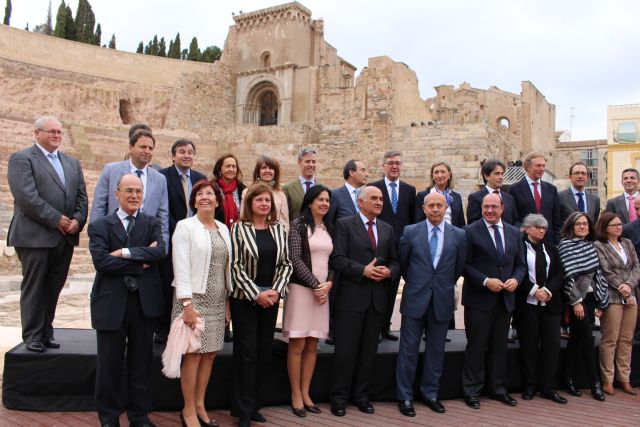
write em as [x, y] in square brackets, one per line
[49, 211]
[577, 198]
[622, 205]
[296, 189]
[398, 209]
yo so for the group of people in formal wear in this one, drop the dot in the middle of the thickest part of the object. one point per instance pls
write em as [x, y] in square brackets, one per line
[173, 247]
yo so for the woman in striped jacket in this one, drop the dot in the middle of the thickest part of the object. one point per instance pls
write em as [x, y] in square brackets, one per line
[585, 290]
[260, 270]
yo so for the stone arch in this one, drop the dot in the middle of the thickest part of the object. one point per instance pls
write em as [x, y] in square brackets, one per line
[265, 59]
[503, 121]
[262, 105]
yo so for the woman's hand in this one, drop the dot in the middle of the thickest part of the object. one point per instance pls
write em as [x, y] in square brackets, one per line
[598, 312]
[321, 293]
[190, 316]
[578, 311]
[624, 290]
[267, 298]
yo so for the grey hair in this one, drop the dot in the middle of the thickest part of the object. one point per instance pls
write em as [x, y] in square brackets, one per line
[305, 151]
[534, 220]
[41, 121]
[391, 153]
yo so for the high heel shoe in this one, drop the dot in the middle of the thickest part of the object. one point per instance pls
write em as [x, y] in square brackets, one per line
[313, 409]
[298, 412]
[203, 423]
[626, 387]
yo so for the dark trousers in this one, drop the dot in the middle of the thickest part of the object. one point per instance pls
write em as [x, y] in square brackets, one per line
[539, 335]
[135, 334]
[411, 332]
[253, 328]
[163, 323]
[356, 344]
[486, 341]
[44, 272]
[580, 346]
[391, 301]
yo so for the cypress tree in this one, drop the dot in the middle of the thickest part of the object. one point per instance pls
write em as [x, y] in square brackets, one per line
[48, 25]
[112, 42]
[194, 51]
[85, 22]
[140, 48]
[162, 48]
[211, 54]
[70, 28]
[61, 21]
[7, 13]
[98, 35]
[153, 48]
[174, 48]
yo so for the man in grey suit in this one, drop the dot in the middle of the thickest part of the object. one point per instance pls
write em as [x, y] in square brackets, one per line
[155, 200]
[576, 198]
[622, 205]
[49, 211]
[344, 199]
[296, 189]
[432, 256]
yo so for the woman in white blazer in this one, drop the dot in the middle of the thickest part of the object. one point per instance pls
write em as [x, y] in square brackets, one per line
[202, 281]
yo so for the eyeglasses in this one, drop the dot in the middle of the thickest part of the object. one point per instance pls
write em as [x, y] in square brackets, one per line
[396, 163]
[540, 227]
[52, 132]
[615, 225]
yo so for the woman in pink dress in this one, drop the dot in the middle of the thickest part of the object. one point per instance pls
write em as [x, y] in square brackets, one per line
[306, 308]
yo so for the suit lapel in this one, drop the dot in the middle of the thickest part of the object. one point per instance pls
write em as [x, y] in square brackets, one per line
[46, 164]
[572, 200]
[423, 235]
[488, 239]
[622, 204]
[177, 183]
[118, 228]
[347, 200]
[529, 195]
[361, 231]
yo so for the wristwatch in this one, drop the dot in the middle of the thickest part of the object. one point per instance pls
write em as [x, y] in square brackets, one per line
[186, 303]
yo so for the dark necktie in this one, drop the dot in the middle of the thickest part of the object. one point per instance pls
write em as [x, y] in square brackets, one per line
[536, 196]
[139, 173]
[580, 202]
[498, 239]
[130, 225]
[372, 236]
[394, 197]
[307, 186]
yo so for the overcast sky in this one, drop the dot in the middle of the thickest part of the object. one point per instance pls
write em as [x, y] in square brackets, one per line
[580, 54]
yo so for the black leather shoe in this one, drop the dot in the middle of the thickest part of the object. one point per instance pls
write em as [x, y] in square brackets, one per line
[554, 396]
[434, 405]
[528, 393]
[258, 417]
[365, 407]
[571, 387]
[298, 412]
[110, 424]
[228, 336]
[504, 398]
[50, 343]
[406, 408]
[35, 346]
[596, 391]
[159, 339]
[386, 334]
[244, 422]
[312, 409]
[472, 402]
[338, 410]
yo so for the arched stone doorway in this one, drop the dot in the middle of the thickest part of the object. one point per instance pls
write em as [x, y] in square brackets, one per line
[263, 105]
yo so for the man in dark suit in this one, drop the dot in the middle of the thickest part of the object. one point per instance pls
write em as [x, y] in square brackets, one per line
[493, 176]
[494, 269]
[432, 255]
[344, 199]
[622, 205]
[399, 211]
[364, 254]
[532, 195]
[154, 200]
[576, 198]
[631, 231]
[180, 179]
[126, 299]
[49, 211]
[296, 189]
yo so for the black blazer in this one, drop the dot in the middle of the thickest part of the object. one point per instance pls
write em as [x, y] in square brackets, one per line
[550, 206]
[177, 198]
[220, 209]
[352, 251]
[483, 262]
[554, 281]
[474, 207]
[406, 207]
[457, 214]
[109, 294]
